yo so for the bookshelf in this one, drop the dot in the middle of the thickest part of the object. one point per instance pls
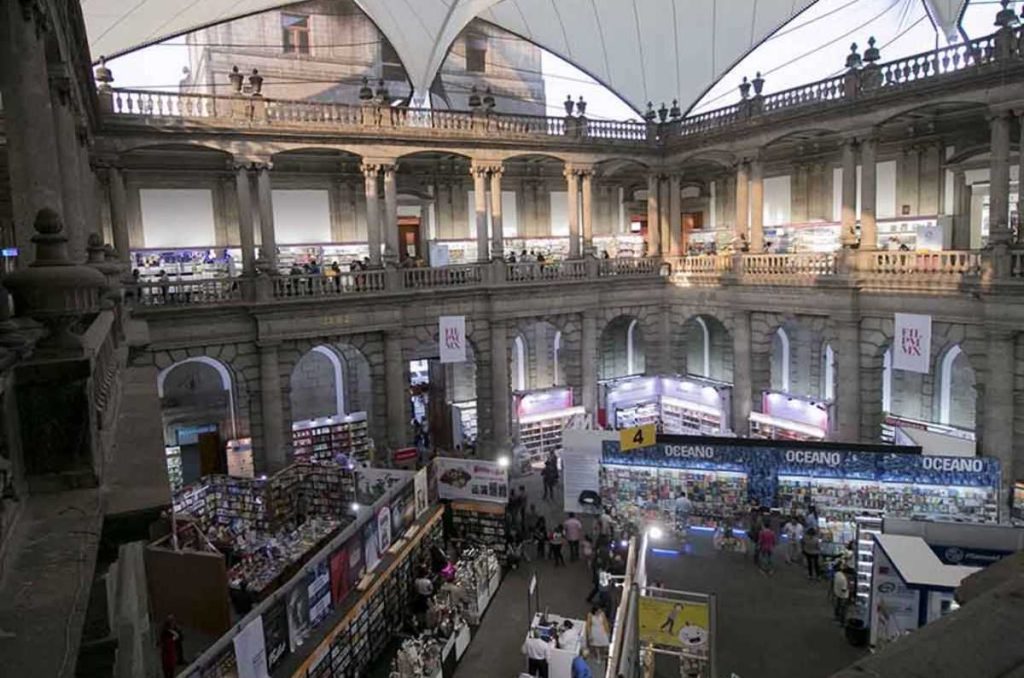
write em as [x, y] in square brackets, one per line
[322, 439]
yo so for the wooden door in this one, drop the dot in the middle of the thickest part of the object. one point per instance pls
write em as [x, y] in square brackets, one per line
[692, 221]
[409, 238]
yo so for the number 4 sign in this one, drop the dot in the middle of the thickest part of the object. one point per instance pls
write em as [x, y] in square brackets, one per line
[636, 437]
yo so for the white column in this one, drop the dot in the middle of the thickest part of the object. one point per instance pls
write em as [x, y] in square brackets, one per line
[370, 173]
[742, 199]
[996, 439]
[848, 393]
[868, 193]
[497, 228]
[847, 232]
[1020, 179]
[742, 381]
[664, 206]
[587, 191]
[480, 206]
[499, 384]
[243, 193]
[756, 205]
[999, 176]
[572, 184]
[961, 239]
[274, 451]
[268, 241]
[653, 217]
[588, 356]
[675, 216]
[119, 213]
[390, 225]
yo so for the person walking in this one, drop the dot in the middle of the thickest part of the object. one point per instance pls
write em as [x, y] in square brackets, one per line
[794, 532]
[171, 646]
[606, 525]
[550, 476]
[766, 546]
[684, 507]
[522, 508]
[756, 523]
[557, 540]
[841, 593]
[580, 668]
[540, 536]
[573, 533]
[812, 553]
[598, 632]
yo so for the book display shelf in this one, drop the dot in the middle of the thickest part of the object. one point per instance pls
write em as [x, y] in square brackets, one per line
[324, 439]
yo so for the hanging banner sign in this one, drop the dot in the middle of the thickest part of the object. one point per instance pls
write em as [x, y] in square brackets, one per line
[471, 480]
[451, 338]
[421, 490]
[912, 343]
[250, 650]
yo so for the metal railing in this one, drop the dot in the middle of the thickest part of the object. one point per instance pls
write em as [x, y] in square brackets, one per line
[447, 276]
[200, 291]
[299, 286]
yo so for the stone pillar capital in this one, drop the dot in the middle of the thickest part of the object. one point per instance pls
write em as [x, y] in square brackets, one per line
[370, 170]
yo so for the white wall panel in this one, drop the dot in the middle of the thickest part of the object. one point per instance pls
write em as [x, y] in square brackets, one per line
[177, 217]
[301, 216]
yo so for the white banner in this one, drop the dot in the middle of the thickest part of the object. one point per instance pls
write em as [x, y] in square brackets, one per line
[451, 338]
[420, 487]
[250, 651]
[471, 480]
[912, 343]
[581, 468]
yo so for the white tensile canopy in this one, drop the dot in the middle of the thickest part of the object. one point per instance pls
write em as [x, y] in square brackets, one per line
[643, 50]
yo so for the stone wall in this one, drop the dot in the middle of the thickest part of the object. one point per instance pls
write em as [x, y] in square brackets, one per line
[314, 387]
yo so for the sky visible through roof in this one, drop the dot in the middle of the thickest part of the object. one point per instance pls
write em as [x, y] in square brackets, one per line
[811, 47]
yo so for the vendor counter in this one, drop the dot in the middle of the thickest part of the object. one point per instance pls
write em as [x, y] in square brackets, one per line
[571, 638]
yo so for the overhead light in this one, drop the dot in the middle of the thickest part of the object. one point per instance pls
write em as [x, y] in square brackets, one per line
[503, 461]
[624, 543]
[355, 507]
[655, 532]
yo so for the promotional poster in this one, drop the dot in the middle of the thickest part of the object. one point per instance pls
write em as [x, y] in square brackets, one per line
[466, 479]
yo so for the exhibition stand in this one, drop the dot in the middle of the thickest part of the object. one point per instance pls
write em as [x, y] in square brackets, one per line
[911, 587]
[340, 438]
[1017, 512]
[540, 417]
[565, 636]
[788, 417]
[681, 405]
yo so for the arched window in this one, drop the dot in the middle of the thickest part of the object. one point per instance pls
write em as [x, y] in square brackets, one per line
[519, 364]
[828, 373]
[630, 346]
[955, 389]
[222, 372]
[780, 361]
[339, 375]
[705, 370]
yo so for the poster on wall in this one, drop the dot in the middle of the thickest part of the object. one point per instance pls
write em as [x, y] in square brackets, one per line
[318, 589]
[912, 342]
[422, 492]
[681, 624]
[894, 606]
[250, 651]
[356, 564]
[339, 575]
[471, 480]
[298, 617]
[371, 550]
[451, 338]
[383, 529]
[374, 482]
[275, 634]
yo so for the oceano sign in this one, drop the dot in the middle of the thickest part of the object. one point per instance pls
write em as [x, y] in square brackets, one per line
[955, 464]
[690, 451]
[814, 457]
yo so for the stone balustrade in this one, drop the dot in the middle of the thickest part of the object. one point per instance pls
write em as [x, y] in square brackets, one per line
[966, 60]
[921, 271]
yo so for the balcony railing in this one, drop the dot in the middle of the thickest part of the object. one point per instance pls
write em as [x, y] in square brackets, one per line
[920, 271]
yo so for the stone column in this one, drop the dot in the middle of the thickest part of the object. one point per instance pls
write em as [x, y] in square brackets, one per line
[69, 166]
[848, 224]
[275, 454]
[999, 174]
[370, 173]
[742, 381]
[243, 193]
[742, 224]
[675, 216]
[397, 389]
[756, 205]
[996, 439]
[499, 384]
[587, 189]
[848, 393]
[268, 241]
[480, 205]
[961, 237]
[119, 213]
[588, 356]
[572, 182]
[29, 120]
[390, 224]
[425, 225]
[664, 206]
[799, 205]
[1020, 180]
[868, 193]
[497, 229]
[653, 220]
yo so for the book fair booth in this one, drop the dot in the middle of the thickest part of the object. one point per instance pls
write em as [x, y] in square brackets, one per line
[540, 417]
[788, 417]
[310, 572]
[684, 405]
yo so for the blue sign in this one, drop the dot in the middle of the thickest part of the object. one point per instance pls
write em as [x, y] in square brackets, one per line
[764, 461]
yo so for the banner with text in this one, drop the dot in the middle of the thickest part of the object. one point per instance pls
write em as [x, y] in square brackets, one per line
[451, 338]
[471, 480]
[912, 342]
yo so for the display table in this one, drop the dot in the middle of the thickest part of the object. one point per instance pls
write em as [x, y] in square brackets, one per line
[570, 641]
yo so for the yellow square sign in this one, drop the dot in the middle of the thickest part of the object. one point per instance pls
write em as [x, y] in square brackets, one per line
[635, 437]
